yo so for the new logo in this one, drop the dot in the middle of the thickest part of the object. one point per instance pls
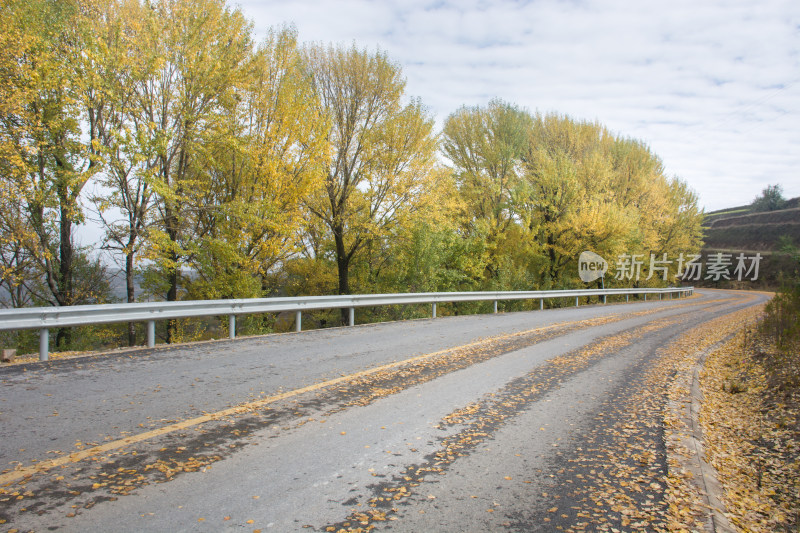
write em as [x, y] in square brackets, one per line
[591, 266]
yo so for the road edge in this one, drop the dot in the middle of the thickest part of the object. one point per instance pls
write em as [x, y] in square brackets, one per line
[688, 436]
[697, 495]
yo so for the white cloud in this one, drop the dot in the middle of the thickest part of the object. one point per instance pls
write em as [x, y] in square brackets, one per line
[713, 87]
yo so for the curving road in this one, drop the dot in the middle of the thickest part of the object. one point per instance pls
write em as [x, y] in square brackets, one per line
[521, 422]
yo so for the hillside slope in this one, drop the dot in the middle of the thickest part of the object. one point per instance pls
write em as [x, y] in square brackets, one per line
[741, 229]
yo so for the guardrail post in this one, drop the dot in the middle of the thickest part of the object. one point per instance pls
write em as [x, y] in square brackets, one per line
[495, 306]
[298, 321]
[541, 304]
[627, 298]
[604, 298]
[44, 341]
[231, 327]
[151, 333]
[433, 310]
[645, 297]
[352, 316]
[576, 302]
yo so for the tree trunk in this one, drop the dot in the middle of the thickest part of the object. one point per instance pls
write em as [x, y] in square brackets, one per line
[172, 276]
[343, 267]
[131, 297]
[553, 257]
[65, 288]
[172, 296]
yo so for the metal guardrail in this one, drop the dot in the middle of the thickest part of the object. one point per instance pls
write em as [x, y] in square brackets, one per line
[46, 318]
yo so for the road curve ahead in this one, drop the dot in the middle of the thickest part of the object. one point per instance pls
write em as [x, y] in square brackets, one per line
[507, 422]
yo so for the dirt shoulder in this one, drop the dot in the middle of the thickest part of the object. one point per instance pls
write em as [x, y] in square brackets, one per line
[733, 430]
[750, 417]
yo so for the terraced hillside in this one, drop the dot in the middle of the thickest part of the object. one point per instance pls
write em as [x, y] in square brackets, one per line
[740, 229]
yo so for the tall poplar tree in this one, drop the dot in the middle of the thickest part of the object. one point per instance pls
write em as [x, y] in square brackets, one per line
[485, 146]
[195, 54]
[265, 163]
[382, 150]
[52, 111]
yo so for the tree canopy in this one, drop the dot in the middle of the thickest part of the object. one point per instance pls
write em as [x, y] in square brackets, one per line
[770, 199]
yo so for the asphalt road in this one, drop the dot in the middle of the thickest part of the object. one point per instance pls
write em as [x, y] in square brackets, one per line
[518, 422]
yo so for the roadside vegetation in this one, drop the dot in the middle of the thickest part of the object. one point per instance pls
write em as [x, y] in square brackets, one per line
[219, 166]
[751, 416]
[781, 324]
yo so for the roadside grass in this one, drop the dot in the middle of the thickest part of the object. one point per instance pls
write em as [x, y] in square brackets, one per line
[781, 323]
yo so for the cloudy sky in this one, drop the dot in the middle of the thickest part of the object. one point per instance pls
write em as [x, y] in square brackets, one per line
[713, 86]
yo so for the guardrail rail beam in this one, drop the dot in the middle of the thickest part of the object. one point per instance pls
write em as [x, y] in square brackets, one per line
[46, 318]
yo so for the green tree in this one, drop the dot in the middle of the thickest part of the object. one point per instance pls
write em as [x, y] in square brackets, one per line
[435, 258]
[485, 147]
[771, 199]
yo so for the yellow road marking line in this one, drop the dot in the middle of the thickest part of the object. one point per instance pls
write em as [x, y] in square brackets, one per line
[74, 457]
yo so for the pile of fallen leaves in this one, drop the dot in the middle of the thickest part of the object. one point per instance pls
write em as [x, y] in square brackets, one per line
[690, 508]
[751, 426]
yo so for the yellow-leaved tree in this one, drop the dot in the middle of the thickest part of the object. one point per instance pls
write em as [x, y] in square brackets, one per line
[381, 150]
[52, 110]
[266, 162]
[554, 187]
[193, 56]
[567, 200]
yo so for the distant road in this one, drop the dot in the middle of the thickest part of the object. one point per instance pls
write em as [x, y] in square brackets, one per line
[469, 423]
